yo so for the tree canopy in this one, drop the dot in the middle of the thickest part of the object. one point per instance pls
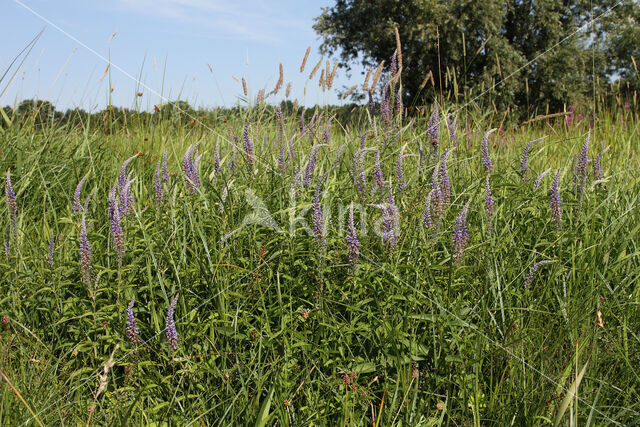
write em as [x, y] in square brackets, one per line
[525, 55]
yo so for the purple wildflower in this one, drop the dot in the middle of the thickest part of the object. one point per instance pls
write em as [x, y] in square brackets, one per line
[626, 107]
[377, 175]
[352, 240]
[402, 184]
[282, 158]
[157, 186]
[132, 325]
[11, 201]
[318, 220]
[581, 165]
[524, 159]
[460, 235]
[231, 164]
[76, 195]
[390, 218]
[122, 180]
[85, 253]
[555, 202]
[426, 218]
[372, 105]
[165, 168]
[190, 169]
[488, 199]
[170, 326]
[311, 165]
[533, 270]
[486, 160]
[597, 165]
[536, 183]
[248, 147]
[126, 198]
[116, 224]
[52, 244]
[433, 128]
[363, 139]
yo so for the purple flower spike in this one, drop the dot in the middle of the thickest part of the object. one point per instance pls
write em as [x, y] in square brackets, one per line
[116, 224]
[460, 235]
[555, 202]
[122, 180]
[433, 128]
[190, 169]
[303, 127]
[126, 198]
[76, 195]
[426, 218]
[597, 165]
[52, 244]
[533, 270]
[85, 253]
[390, 218]
[132, 325]
[165, 168]
[157, 186]
[377, 175]
[170, 326]
[11, 202]
[488, 199]
[581, 165]
[311, 165]
[402, 184]
[248, 147]
[352, 241]
[486, 160]
[318, 220]
[524, 159]
[536, 183]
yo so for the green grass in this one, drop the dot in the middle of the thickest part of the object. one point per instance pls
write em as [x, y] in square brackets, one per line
[271, 322]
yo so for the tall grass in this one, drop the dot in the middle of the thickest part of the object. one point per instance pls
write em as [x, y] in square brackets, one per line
[274, 326]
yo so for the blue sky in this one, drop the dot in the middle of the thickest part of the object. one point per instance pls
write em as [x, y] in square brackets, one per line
[167, 44]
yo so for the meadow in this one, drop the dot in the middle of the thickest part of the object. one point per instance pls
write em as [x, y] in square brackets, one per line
[273, 268]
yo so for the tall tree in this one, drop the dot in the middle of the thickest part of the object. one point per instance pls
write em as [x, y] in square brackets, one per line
[514, 54]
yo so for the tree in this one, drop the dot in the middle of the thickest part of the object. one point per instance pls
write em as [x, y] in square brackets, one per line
[518, 54]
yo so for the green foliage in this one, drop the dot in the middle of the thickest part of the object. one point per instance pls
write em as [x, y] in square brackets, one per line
[275, 327]
[531, 57]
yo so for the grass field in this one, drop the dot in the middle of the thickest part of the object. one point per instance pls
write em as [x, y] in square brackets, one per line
[520, 312]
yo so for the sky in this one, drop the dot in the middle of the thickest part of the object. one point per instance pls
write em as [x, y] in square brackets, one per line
[168, 45]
